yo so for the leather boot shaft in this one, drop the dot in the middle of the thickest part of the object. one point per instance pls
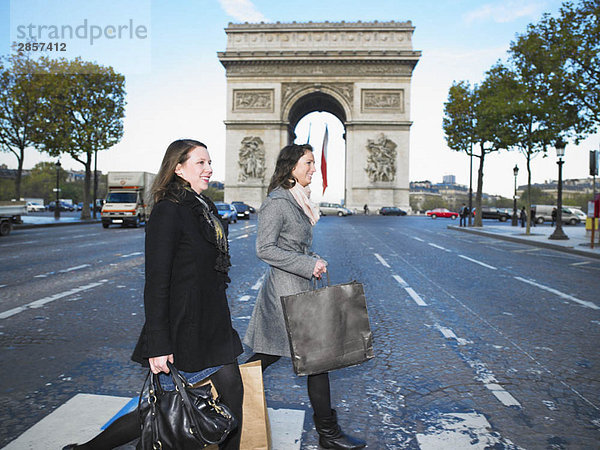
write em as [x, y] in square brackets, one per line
[332, 436]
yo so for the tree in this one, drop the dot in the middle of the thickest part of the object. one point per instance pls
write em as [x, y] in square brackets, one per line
[84, 106]
[470, 117]
[19, 107]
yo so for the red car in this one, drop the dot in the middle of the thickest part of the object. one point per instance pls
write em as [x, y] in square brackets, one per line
[442, 212]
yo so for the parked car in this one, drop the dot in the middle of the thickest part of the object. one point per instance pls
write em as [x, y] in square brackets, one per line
[543, 213]
[391, 211]
[250, 208]
[62, 206]
[329, 209]
[243, 210]
[579, 213]
[227, 212]
[491, 212]
[35, 207]
[441, 212]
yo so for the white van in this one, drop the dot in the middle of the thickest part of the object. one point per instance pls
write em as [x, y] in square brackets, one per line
[543, 213]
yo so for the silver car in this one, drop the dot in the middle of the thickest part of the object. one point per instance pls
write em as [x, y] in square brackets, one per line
[330, 209]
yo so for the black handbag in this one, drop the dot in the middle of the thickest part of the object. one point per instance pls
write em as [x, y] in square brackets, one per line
[184, 419]
[328, 328]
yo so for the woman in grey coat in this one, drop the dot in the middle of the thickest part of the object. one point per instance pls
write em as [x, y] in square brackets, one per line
[284, 239]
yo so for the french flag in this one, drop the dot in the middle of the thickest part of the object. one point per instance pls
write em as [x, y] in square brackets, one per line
[324, 159]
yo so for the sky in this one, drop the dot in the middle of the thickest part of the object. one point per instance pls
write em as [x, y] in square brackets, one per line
[176, 86]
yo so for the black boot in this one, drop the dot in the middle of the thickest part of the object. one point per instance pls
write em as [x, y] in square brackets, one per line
[332, 436]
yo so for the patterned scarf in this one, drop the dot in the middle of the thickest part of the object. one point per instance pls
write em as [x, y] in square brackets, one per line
[302, 196]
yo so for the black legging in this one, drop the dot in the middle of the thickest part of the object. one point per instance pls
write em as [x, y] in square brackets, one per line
[319, 391]
[228, 383]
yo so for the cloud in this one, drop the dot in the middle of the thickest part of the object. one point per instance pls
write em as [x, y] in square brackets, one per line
[505, 11]
[242, 10]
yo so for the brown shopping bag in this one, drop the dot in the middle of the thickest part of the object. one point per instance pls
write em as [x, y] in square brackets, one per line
[256, 429]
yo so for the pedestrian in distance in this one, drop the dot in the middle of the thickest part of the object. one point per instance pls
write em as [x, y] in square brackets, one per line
[366, 209]
[523, 217]
[554, 215]
[463, 212]
[283, 241]
[188, 321]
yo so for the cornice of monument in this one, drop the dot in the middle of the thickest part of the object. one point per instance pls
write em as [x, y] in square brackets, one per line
[311, 26]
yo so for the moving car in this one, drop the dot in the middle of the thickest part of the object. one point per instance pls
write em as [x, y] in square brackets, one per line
[391, 211]
[543, 213]
[243, 210]
[441, 212]
[250, 208]
[329, 209]
[577, 212]
[35, 207]
[62, 206]
[227, 212]
[491, 212]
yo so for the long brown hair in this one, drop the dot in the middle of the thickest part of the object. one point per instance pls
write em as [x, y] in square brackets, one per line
[166, 183]
[286, 161]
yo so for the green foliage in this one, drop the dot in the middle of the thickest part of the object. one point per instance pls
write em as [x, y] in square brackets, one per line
[459, 117]
[83, 105]
[216, 195]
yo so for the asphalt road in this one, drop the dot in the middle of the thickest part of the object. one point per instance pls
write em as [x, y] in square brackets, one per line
[493, 341]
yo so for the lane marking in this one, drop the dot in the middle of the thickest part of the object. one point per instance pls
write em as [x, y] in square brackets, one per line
[17, 243]
[2, 285]
[381, 260]
[485, 376]
[70, 269]
[418, 300]
[469, 430]
[449, 334]
[41, 302]
[477, 262]
[241, 237]
[560, 294]
[438, 246]
[259, 282]
[418, 239]
[83, 416]
[581, 263]
[245, 298]
[132, 254]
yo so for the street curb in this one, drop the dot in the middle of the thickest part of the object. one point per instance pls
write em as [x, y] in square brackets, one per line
[27, 226]
[549, 245]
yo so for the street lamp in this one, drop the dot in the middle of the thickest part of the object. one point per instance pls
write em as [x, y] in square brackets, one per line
[558, 231]
[514, 215]
[57, 204]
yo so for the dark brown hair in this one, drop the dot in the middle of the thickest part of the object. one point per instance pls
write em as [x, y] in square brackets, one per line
[166, 183]
[286, 161]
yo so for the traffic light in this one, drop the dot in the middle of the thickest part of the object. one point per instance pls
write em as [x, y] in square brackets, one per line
[594, 162]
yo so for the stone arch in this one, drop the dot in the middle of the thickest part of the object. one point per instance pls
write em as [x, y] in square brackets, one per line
[359, 72]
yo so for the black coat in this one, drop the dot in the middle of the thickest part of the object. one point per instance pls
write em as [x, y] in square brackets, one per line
[184, 297]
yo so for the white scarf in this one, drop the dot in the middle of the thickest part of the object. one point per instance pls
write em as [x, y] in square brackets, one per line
[302, 196]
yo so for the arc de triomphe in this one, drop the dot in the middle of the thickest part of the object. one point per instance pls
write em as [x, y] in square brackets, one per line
[359, 72]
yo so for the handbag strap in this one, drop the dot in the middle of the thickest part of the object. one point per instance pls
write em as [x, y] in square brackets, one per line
[315, 281]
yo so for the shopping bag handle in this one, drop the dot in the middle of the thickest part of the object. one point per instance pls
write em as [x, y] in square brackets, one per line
[315, 281]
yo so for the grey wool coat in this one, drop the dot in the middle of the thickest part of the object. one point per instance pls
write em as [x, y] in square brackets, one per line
[283, 241]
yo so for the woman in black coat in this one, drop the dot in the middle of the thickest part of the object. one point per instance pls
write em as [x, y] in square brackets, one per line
[188, 322]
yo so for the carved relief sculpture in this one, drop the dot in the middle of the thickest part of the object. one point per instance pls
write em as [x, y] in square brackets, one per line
[253, 100]
[382, 99]
[252, 158]
[381, 159]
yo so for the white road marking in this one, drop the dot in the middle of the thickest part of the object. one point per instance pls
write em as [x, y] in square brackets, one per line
[132, 254]
[560, 294]
[418, 239]
[2, 285]
[477, 262]
[381, 260]
[488, 379]
[241, 237]
[259, 282]
[43, 275]
[41, 302]
[581, 263]
[17, 243]
[245, 298]
[459, 430]
[438, 246]
[70, 269]
[85, 415]
[449, 334]
[418, 300]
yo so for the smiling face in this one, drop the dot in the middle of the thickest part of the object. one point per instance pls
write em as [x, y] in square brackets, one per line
[304, 169]
[197, 169]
